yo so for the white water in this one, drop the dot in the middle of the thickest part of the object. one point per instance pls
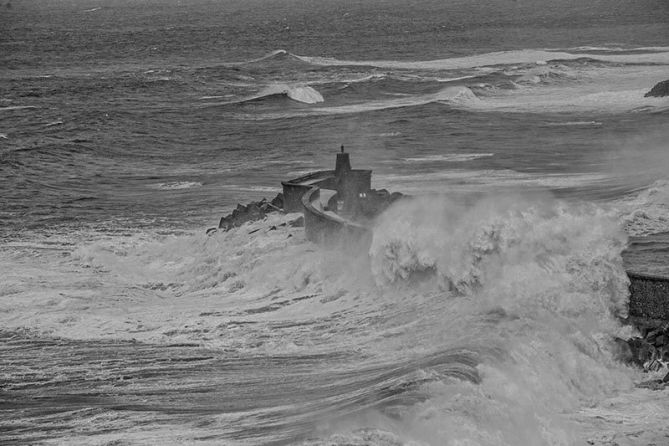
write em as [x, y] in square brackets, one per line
[526, 286]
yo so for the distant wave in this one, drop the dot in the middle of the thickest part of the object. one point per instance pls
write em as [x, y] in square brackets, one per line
[274, 55]
[618, 49]
[16, 107]
[250, 188]
[176, 185]
[449, 157]
[547, 80]
[487, 179]
[496, 58]
[304, 94]
[647, 212]
[653, 55]
[575, 98]
[458, 96]
[574, 124]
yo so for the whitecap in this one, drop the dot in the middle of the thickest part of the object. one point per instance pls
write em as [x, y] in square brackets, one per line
[17, 107]
[574, 124]
[176, 185]
[526, 56]
[448, 157]
[250, 188]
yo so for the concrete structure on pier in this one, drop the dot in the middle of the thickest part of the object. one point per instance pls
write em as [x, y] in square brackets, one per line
[349, 184]
[334, 220]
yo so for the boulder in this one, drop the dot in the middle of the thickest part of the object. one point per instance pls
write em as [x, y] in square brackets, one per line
[297, 223]
[241, 215]
[660, 90]
[396, 196]
[641, 351]
[277, 201]
[623, 351]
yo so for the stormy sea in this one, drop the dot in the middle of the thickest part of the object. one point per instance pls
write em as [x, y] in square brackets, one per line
[485, 310]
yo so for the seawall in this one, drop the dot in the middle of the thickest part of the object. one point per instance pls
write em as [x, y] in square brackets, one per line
[649, 299]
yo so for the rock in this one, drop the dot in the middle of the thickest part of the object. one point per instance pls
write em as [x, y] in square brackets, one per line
[256, 210]
[297, 223]
[623, 350]
[277, 201]
[642, 351]
[396, 196]
[653, 365]
[652, 335]
[660, 90]
[241, 215]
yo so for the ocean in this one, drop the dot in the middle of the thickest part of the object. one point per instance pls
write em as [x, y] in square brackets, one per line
[485, 310]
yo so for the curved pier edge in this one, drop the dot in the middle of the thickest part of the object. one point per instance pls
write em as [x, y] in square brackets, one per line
[326, 227]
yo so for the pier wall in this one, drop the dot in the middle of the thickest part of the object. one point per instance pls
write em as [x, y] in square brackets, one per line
[329, 228]
[294, 190]
[649, 298]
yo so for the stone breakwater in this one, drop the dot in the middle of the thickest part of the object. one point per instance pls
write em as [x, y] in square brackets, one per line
[254, 211]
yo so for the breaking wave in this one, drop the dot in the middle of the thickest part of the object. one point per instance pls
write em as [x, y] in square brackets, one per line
[540, 280]
[176, 185]
[448, 157]
[303, 94]
[454, 96]
[499, 58]
[467, 321]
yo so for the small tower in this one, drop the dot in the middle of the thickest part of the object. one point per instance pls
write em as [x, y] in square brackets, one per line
[351, 185]
[343, 165]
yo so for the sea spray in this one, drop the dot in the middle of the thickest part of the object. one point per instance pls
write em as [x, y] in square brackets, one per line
[533, 286]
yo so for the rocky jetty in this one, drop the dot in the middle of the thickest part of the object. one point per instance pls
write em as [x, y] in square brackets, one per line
[256, 210]
[660, 90]
[650, 351]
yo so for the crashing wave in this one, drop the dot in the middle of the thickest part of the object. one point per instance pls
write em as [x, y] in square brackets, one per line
[503, 242]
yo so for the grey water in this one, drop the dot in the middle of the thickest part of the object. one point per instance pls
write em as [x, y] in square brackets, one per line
[128, 128]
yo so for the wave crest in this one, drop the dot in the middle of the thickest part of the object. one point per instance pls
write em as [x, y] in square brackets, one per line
[531, 246]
